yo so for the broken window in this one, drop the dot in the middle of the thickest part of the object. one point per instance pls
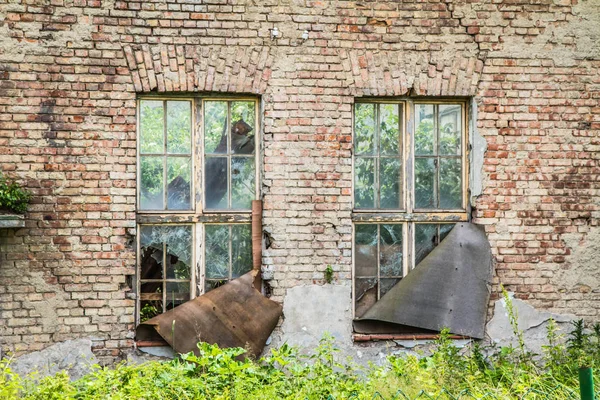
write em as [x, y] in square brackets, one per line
[409, 188]
[196, 174]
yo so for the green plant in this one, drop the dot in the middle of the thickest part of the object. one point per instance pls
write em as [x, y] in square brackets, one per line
[12, 196]
[329, 274]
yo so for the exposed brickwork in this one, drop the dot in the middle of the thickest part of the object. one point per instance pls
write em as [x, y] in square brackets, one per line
[70, 71]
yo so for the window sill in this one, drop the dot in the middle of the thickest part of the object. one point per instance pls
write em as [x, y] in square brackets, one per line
[12, 221]
[375, 337]
[151, 343]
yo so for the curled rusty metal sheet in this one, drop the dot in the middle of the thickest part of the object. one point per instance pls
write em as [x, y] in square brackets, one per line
[233, 315]
[448, 289]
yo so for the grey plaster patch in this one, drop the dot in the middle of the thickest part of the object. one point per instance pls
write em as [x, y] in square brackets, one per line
[582, 270]
[73, 356]
[478, 148]
[531, 322]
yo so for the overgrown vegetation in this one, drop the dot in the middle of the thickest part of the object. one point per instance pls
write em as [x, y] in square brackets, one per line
[503, 373]
[13, 197]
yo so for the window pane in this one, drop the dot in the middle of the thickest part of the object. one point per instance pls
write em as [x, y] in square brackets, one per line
[364, 128]
[366, 295]
[425, 240]
[242, 127]
[387, 284]
[216, 183]
[177, 293]
[424, 130]
[364, 183]
[241, 250]
[151, 182]
[445, 230]
[177, 238]
[450, 129]
[215, 127]
[365, 250]
[391, 250]
[450, 183]
[151, 259]
[242, 182]
[389, 130]
[213, 284]
[390, 183]
[178, 189]
[424, 183]
[179, 127]
[150, 309]
[151, 126]
[177, 268]
[217, 251]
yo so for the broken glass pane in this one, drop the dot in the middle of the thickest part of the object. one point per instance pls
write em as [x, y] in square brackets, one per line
[176, 238]
[213, 284]
[177, 268]
[151, 291]
[365, 250]
[450, 129]
[151, 126]
[179, 127]
[450, 183]
[364, 183]
[424, 130]
[178, 189]
[387, 284]
[365, 291]
[364, 128]
[241, 250]
[150, 309]
[217, 251]
[151, 260]
[215, 127]
[424, 183]
[425, 240]
[445, 230]
[242, 182]
[242, 127]
[390, 183]
[178, 291]
[151, 182]
[216, 183]
[389, 130]
[391, 250]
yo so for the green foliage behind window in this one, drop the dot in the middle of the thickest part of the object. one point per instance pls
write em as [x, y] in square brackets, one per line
[13, 197]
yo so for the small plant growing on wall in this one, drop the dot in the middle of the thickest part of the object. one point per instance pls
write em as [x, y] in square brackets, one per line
[13, 198]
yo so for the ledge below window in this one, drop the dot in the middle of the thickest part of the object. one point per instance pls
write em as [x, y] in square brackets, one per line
[11, 221]
[360, 337]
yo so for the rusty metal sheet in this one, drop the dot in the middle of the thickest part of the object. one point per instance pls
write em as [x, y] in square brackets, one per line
[448, 289]
[233, 315]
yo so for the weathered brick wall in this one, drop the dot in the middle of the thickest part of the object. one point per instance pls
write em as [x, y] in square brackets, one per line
[70, 71]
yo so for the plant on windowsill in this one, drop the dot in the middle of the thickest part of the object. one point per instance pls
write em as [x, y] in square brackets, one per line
[13, 198]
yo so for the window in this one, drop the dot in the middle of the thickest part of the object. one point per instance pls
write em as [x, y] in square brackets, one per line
[409, 188]
[196, 174]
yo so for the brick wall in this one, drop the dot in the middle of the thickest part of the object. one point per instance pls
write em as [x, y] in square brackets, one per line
[70, 71]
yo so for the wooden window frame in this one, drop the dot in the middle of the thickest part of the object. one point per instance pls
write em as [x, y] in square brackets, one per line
[197, 216]
[408, 215]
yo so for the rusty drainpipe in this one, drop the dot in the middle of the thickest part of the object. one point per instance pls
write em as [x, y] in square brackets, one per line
[257, 243]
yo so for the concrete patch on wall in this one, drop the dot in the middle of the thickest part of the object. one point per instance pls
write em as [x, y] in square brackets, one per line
[72, 356]
[532, 322]
[581, 272]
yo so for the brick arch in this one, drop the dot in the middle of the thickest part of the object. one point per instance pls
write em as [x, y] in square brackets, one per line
[187, 68]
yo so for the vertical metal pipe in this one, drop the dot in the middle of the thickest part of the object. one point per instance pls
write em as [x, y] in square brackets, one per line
[586, 383]
[257, 242]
